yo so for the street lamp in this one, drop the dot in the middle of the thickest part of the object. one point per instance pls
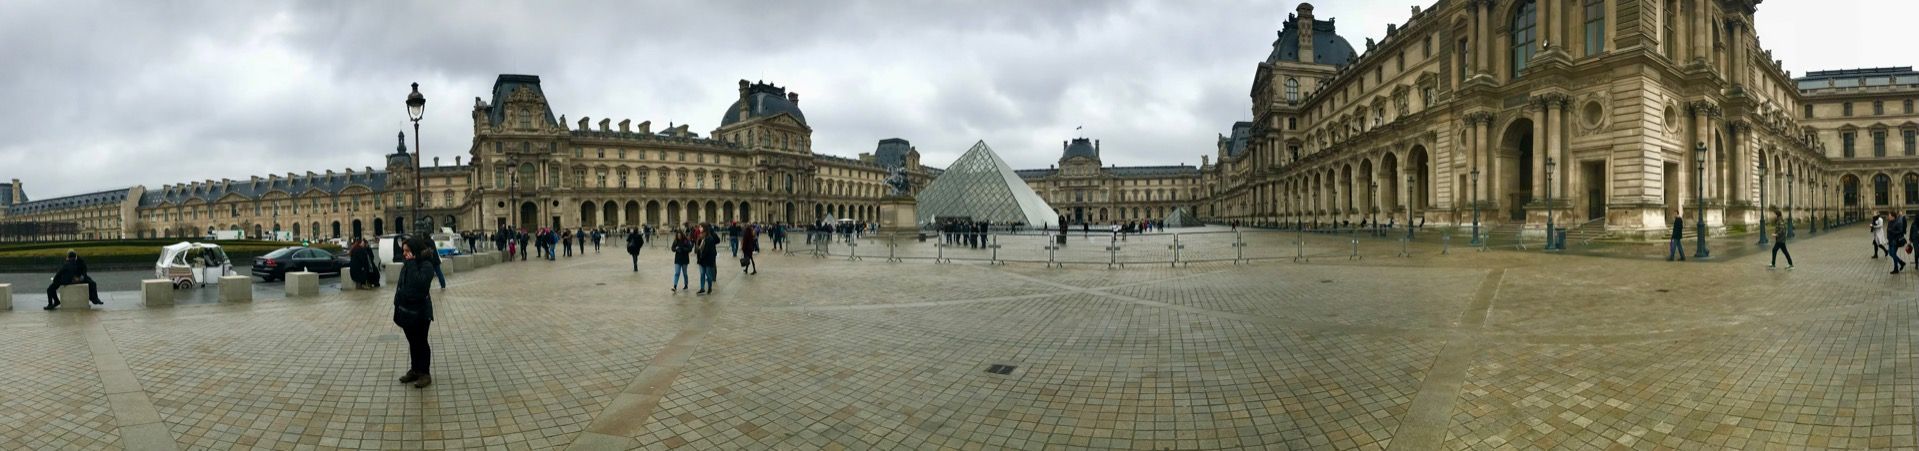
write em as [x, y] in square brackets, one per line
[1791, 231]
[1551, 244]
[1763, 240]
[1410, 203]
[1372, 205]
[415, 108]
[1475, 174]
[1699, 187]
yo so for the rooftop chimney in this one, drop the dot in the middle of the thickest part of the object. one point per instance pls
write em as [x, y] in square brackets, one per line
[606, 125]
[1305, 33]
[646, 127]
[793, 97]
[626, 125]
[456, 161]
[436, 162]
[583, 120]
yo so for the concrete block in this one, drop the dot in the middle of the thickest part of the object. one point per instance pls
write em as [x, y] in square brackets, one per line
[6, 297]
[390, 275]
[236, 289]
[75, 294]
[302, 283]
[156, 292]
[459, 263]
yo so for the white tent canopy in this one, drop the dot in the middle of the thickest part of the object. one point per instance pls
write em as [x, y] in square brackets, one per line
[979, 185]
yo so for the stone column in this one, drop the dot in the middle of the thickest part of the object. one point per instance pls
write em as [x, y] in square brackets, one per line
[1539, 151]
[1487, 170]
[1737, 73]
[1482, 41]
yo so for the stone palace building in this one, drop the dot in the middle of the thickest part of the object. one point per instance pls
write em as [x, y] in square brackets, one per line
[1589, 110]
[1592, 111]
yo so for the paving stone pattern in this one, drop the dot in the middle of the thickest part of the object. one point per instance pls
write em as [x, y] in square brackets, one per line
[1467, 350]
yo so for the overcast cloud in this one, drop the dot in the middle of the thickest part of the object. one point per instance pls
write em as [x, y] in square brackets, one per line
[109, 94]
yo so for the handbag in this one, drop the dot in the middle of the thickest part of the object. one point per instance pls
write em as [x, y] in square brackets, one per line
[745, 261]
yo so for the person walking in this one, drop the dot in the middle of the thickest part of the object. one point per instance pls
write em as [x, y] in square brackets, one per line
[682, 248]
[633, 243]
[1779, 242]
[73, 272]
[520, 237]
[413, 310]
[566, 240]
[597, 236]
[360, 263]
[749, 244]
[708, 256]
[1878, 233]
[1677, 247]
[432, 256]
[733, 238]
[1896, 240]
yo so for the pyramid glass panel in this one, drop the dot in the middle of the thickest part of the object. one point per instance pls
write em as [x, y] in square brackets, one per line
[1180, 218]
[982, 187]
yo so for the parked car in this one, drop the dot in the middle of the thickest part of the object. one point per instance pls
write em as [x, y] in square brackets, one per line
[275, 265]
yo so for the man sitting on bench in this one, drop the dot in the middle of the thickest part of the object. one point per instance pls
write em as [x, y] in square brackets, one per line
[74, 271]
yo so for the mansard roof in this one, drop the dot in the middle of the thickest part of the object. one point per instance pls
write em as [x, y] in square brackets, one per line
[251, 189]
[108, 197]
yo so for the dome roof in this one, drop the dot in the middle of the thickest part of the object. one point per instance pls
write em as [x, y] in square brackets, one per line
[1328, 47]
[1081, 147]
[763, 100]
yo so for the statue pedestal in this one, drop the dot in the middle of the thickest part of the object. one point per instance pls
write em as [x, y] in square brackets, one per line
[898, 213]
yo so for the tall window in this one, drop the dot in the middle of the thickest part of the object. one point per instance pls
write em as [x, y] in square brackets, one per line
[1595, 27]
[1426, 96]
[1463, 50]
[1878, 107]
[1292, 90]
[1671, 42]
[1848, 109]
[1426, 48]
[1846, 139]
[1879, 143]
[1908, 106]
[1524, 37]
[1912, 188]
[1808, 108]
[1912, 138]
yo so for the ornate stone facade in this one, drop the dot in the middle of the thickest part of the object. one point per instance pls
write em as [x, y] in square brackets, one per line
[1590, 110]
[1081, 190]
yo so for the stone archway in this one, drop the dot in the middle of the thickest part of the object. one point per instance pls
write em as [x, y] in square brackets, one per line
[529, 216]
[611, 212]
[1516, 173]
[632, 214]
[589, 212]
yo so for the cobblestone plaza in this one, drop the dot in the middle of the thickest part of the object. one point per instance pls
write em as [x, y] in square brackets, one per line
[1466, 350]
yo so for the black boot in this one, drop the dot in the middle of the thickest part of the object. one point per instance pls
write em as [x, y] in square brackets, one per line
[409, 377]
[425, 380]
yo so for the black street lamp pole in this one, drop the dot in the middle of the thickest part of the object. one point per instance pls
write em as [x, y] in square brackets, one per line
[1699, 224]
[1763, 240]
[1791, 231]
[1551, 243]
[415, 108]
[1475, 174]
[1372, 205]
[1410, 203]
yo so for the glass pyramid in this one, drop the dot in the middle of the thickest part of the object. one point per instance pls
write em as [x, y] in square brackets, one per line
[982, 187]
[1180, 218]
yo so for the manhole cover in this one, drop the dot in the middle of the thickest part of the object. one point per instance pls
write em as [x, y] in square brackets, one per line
[1000, 369]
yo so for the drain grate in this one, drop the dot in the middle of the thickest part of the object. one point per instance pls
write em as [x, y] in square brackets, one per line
[1000, 369]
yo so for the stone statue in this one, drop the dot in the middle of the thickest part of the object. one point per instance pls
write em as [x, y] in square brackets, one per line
[896, 178]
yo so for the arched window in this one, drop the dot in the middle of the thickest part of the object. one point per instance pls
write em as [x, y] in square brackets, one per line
[1292, 90]
[1524, 35]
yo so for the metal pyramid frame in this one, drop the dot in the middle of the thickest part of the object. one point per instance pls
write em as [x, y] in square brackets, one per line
[979, 185]
[1179, 218]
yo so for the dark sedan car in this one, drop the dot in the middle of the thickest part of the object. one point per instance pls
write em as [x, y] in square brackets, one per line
[275, 265]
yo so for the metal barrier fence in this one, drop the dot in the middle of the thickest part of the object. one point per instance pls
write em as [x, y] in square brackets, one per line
[1136, 249]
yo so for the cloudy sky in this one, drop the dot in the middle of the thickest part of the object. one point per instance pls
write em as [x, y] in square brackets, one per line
[111, 94]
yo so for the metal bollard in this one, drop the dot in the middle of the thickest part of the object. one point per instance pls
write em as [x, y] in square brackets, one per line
[941, 256]
[1239, 247]
[1113, 250]
[1445, 242]
[892, 250]
[995, 247]
[1355, 255]
[1051, 261]
[1176, 247]
[1299, 246]
[852, 250]
[1403, 251]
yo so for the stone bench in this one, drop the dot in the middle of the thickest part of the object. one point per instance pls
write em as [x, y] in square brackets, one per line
[236, 289]
[6, 297]
[303, 283]
[156, 292]
[75, 294]
[390, 275]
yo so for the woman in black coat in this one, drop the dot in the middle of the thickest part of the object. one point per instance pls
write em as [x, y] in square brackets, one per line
[361, 262]
[708, 251]
[413, 309]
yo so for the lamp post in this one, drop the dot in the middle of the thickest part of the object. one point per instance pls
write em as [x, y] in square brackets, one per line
[1372, 205]
[1551, 243]
[1699, 224]
[1763, 240]
[1475, 176]
[1791, 231]
[415, 108]
[1410, 203]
